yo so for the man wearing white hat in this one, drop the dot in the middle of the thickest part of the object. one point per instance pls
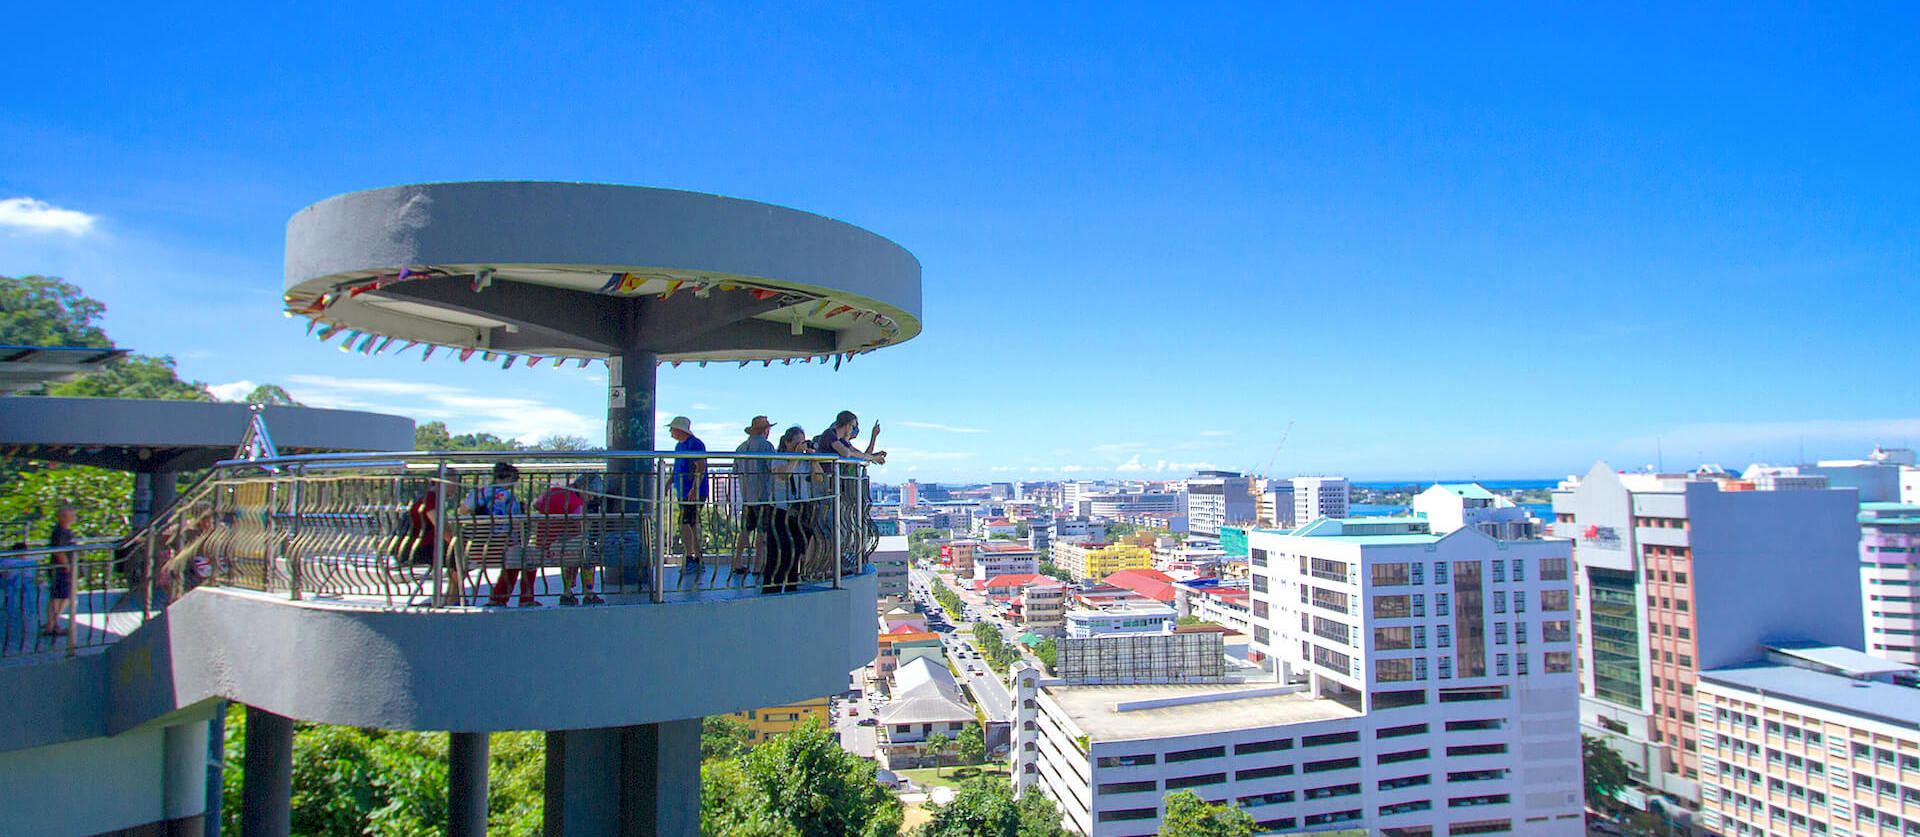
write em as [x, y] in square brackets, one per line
[690, 485]
[756, 494]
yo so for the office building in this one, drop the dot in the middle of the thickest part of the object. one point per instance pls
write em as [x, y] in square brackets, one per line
[1120, 619]
[1125, 505]
[1809, 740]
[763, 724]
[1091, 561]
[890, 564]
[1008, 559]
[1890, 580]
[909, 495]
[1448, 507]
[1675, 573]
[1317, 497]
[1422, 692]
[1041, 607]
[1226, 603]
[1276, 504]
[1219, 498]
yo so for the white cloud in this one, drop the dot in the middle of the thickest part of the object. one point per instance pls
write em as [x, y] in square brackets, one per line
[927, 425]
[515, 418]
[1133, 464]
[37, 216]
[233, 391]
[700, 406]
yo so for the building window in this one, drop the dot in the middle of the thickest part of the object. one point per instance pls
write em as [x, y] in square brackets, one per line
[1443, 636]
[1499, 570]
[1557, 662]
[1392, 671]
[1519, 569]
[1553, 601]
[1500, 666]
[1553, 569]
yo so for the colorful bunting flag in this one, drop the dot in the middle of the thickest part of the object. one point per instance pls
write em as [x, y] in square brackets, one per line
[464, 354]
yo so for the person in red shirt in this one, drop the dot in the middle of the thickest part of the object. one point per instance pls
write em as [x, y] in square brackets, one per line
[420, 520]
[560, 535]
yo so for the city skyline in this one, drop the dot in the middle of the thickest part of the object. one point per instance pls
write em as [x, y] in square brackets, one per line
[1498, 246]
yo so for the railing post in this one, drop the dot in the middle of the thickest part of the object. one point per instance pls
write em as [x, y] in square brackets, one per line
[73, 602]
[440, 494]
[152, 566]
[839, 525]
[661, 537]
[293, 560]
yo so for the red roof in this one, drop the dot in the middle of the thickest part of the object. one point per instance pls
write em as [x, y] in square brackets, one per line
[1152, 584]
[905, 629]
[1012, 580]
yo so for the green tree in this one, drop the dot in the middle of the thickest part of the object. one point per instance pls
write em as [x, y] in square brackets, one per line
[1189, 619]
[1022, 529]
[46, 311]
[101, 497]
[561, 442]
[135, 376]
[482, 441]
[1190, 816]
[800, 784]
[1048, 568]
[1047, 652]
[272, 396]
[1606, 772]
[722, 737]
[920, 535]
[432, 435]
[985, 807]
[933, 747]
[972, 744]
[1117, 530]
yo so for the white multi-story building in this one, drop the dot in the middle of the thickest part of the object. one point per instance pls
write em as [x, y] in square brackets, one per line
[890, 562]
[1452, 506]
[1219, 498]
[1675, 573]
[1809, 740]
[1890, 579]
[1078, 529]
[1120, 619]
[1276, 504]
[987, 564]
[1120, 506]
[1224, 603]
[1438, 698]
[1317, 497]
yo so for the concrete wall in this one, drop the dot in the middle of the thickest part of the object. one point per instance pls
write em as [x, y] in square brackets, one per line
[88, 786]
[472, 670]
[1773, 566]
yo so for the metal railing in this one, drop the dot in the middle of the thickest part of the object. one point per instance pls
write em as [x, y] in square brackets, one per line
[436, 529]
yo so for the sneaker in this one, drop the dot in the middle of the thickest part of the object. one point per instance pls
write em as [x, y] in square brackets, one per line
[568, 600]
[593, 599]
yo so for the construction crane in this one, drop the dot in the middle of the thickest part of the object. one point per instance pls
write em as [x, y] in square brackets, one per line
[1276, 448]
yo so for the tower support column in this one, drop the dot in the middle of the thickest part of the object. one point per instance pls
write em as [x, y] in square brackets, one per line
[467, 755]
[634, 781]
[266, 786]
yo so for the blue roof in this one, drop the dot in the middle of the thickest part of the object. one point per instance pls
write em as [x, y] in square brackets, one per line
[1885, 702]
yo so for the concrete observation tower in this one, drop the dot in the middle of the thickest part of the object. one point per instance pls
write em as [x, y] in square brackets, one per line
[539, 272]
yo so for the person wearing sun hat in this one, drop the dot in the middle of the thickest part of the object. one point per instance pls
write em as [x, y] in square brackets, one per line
[756, 492]
[690, 486]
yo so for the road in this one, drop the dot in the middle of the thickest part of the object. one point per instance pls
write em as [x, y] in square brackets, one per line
[989, 690]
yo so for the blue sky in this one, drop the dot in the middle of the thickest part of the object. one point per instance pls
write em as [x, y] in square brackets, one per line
[1471, 241]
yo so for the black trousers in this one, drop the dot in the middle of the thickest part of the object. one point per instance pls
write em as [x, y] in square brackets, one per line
[786, 542]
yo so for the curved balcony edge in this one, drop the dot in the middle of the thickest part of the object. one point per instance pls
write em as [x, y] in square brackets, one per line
[473, 670]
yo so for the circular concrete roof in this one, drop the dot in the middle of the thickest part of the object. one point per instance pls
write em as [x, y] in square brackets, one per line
[138, 434]
[543, 270]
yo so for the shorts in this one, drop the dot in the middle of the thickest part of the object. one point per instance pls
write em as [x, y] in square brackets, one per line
[754, 517]
[62, 583]
[690, 514]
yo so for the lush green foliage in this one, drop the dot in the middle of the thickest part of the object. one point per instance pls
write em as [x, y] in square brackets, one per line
[949, 600]
[390, 784]
[433, 436]
[1048, 568]
[135, 376]
[1606, 772]
[722, 737]
[101, 497]
[934, 748]
[972, 744]
[1187, 815]
[272, 396]
[1047, 652]
[46, 311]
[998, 652]
[800, 784]
[986, 808]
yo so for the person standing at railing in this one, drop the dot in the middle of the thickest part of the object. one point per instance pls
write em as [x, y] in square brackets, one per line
[500, 538]
[756, 492]
[421, 520]
[63, 563]
[561, 536]
[838, 440]
[786, 534]
[690, 489]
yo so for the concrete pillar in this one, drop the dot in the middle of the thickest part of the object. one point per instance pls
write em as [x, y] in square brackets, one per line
[266, 787]
[637, 781]
[142, 499]
[630, 426]
[466, 784]
[165, 489]
[216, 767]
[183, 794]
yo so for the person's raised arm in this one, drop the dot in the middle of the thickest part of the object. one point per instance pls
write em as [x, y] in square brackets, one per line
[873, 438]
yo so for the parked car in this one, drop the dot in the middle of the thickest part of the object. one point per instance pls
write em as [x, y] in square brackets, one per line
[867, 722]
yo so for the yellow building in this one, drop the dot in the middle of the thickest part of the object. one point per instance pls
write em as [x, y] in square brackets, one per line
[763, 724]
[1099, 560]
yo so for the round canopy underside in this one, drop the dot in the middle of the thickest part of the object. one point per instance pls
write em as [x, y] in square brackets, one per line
[551, 271]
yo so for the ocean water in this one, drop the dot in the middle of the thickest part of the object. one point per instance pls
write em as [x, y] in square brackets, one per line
[1544, 511]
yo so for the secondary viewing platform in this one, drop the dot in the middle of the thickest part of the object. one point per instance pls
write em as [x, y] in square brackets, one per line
[586, 594]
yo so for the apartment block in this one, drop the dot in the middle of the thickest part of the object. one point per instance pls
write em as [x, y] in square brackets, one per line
[1453, 506]
[1219, 498]
[995, 560]
[890, 563]
[763, 724]
[1676, 573]
[1317, 497]
[1810, 741]
[1890, 579]
[1120, 619]
[1085, 561]
[1422, 692]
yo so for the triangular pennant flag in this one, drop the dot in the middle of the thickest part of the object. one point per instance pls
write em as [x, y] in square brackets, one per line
[533, 359]
[464, 354]
[410, 344]
[819, 308]
[763, 293]
[672, 285]
[384, 344]
[613, 283]
[509, 363]
[486, 357]
[428, 353]
[583, 362]
[557, 361]
[838, 311]
[836, 363]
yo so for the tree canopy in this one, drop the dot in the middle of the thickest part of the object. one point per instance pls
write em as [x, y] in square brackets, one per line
[1187, 815]
[985, 807]
[800, 784]
[1606, 772]
[45, 311]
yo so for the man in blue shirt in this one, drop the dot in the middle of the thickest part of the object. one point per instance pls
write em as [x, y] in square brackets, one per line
[690, 487]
